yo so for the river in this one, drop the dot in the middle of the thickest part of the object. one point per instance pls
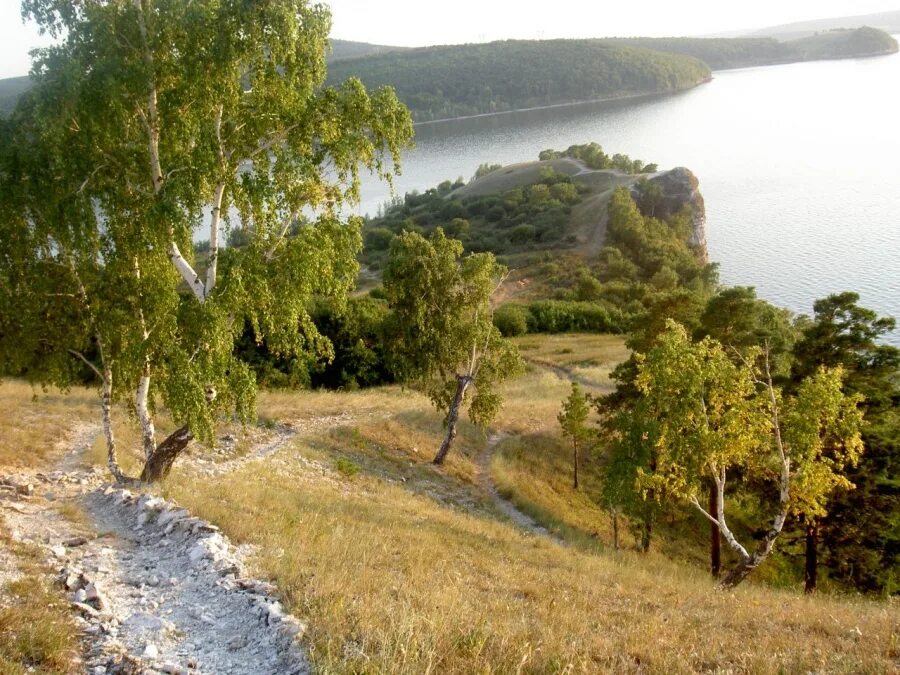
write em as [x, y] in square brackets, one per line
[798, 165]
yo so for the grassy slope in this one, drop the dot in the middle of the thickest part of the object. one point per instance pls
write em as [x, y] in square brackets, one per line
[587, 223]
[405, 568]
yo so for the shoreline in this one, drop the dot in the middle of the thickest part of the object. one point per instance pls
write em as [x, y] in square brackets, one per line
[551, 106]
[642, 95]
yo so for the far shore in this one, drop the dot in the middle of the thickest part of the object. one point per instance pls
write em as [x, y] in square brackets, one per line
[568, 104]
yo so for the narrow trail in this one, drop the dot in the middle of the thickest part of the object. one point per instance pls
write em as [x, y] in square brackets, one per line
[154, 589]
[521, 519]
[284, 434]
[565, 373]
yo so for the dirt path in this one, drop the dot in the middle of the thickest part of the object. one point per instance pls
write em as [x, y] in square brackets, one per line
[521, 519]
[155, 590]
[565, 373]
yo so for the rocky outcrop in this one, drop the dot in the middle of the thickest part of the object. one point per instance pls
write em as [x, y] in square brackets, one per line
[670, 192]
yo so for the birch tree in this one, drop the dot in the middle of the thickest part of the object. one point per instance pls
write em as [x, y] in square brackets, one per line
[572, 420]
[442, 327]
[161, 118]
[714, 417]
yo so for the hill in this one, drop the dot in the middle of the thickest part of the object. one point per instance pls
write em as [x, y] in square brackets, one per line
[555, 208]
[885, 21]
[348, 49]
[396, 566]
[11, 89]
[460, 80]
[722, 53]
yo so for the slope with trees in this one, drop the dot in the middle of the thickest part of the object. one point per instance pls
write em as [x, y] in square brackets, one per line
[743, 52]
[459, 80]
[442, 330]
[144, 123]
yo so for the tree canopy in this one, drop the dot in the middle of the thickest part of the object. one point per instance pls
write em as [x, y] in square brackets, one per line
[150, 120]
[710, 417]
[442, 329]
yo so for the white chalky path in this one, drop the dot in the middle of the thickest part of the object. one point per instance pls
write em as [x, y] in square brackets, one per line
[155, 589]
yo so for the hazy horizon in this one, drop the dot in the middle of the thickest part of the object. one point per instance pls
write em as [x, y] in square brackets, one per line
[402, 23]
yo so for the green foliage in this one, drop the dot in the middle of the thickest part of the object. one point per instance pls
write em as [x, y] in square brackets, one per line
[573, 416]
[140, 124]
[562, 316]
[860, 534]
[357, 359]
[346, 467]
[522, 219]
[440, 328]
[485, 168]
[593, 156]
[709, 417]
[511, 320]
[740, 321]
[452, 81]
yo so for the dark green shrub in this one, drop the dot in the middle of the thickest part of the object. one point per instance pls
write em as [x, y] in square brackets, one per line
[511, 320]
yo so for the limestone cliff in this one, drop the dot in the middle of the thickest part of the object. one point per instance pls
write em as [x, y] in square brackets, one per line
[679, 187]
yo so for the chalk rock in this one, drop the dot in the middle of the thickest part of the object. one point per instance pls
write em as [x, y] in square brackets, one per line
[141, 622]
[151, 651]
[95, 597]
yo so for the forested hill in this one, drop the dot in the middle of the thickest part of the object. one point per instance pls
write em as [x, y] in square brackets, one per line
[11, 89]
[459, 80]
[347, 49]
[722, 53]
[886, 21]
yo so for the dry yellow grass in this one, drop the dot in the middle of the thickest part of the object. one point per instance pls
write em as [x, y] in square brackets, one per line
[37, 632]
[404, 568]
[392, 580]
[33, 422]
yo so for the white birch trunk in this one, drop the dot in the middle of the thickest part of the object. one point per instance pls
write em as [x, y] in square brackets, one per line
[106, 406]
[148, 430]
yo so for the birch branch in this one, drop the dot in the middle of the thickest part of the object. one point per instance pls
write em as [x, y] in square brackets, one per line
[87, 363]
[187, 272]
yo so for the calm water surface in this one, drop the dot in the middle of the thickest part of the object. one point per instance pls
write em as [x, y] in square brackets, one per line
[799, 166]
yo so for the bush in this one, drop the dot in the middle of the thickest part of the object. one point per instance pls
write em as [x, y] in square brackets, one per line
[346, 467]
[511, 320]
[561, 316]
[378, 238]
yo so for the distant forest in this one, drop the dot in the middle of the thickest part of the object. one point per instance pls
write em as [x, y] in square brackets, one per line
[723, 53]
[454, 81]
[460, 80]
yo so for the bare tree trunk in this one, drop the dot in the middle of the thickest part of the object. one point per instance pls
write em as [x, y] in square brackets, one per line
[715, 539]
[575, 446]
[646, 532]
[106, 406]
[462, 383]
[160, 462]
[811, 570]
[749, 563]
[615, 524]
[148, 430]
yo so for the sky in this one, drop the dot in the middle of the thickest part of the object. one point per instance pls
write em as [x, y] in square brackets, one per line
[413, 23]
